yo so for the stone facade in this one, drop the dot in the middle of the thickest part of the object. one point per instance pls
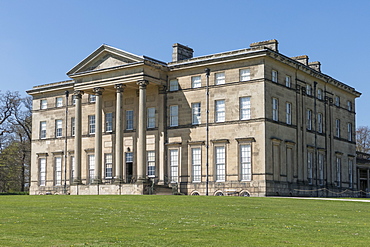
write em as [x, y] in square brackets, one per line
[135, 125]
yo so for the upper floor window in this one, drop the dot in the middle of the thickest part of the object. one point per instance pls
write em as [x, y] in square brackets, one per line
[59, 102]
[109, 122]
[73, 127]
[174, 85]
[337, 101]
[73, 99]
[220, 111]
[151, 117]
[245, 74]
[349, 131]
[129, 119]
[275, 109]
[92, 98]
[337, 128]
[319, 94]
[288, 81]
[58, 128]
[288, 113]
[220, 78]
[308, 89]
[195, 108]
[43, 104]
[349, 105]
[92, 124]
[196, 81]
[174, 115]
[274, 76]
[309, 119]
[245, 108]
[42, 129]
[319, 123]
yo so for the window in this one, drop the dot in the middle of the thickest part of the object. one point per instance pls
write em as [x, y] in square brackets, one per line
[43, 104]
[288, 113]
[72, 168]
[58, 128]
[73, 99]
[245, 108]
[338, 169]
[42, 163]
[73, 126]
[220, 163]
[349, 105]
[92, 98]
[275, 109]
[151, 117]
[59, 102]
[245, 74]
[245, 162]
[309, 166]
[196, 82]
[220, 111]
[42, 129]
[350, 172]
[196, 161]
[321, 168]
[58, 171]
[129, 119]
[309, 119]
[174, 115]
[274, 76]
[195, 108]
[319, 123]
[337, 101]
[220, 78]
[308, 89]
[109, 122]
[288, 81]
[319, 94]
[337, 128]
[349, 132]
[151, 163]
[91, 162]
[174, 165]
[108, 166]
[92, 124]
[174, 85]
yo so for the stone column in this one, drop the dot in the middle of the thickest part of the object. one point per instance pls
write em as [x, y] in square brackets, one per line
[162, 124]
[119, 164]
[141, 143]
[98, 135]
[78, 138]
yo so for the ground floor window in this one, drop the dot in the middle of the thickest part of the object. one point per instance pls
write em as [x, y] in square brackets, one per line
[321, 168]
[151, 163]
[338, 170]
[58, 171]
[220, 163]
[309, 167]
[174, 165]
[196, 161]
[42, 163]
[108, 166]
[91, 164]
[350, 172]
[245, 162]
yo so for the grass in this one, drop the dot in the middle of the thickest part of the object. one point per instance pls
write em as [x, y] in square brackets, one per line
[181, 221]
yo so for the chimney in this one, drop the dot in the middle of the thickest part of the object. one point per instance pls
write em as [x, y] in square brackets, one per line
[315, 65]
[271, 44]
[181, 52]
[302, 59]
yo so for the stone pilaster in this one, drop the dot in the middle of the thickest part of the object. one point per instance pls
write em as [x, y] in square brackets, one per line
[120, 166]
[141, 143]
[98, 135]
[78, 138]
[162, 124]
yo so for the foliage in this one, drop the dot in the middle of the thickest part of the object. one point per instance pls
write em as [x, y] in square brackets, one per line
[180, 221]
[363, 139]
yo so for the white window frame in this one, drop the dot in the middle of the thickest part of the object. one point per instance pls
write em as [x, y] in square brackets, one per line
[129, 119]
[321, 168]
[288, 111]
[58, 171]
[288, 81]
[310, 167]
[245, 108]
[220, 163]
[59, 102]
[174, 115]
[309, 119]
[73, 99]
[245, 74]
[174, 85]
[150, 160]
[196, 164]
[92, 98]
[338, 162]
[42, 171]
[320, 124]
[309, 89]
[151, 123]
[196, 81]
[43, 130]
[220, 78]
[220, 111]
[108, 157]
[337, 101]
[319, 94]
[91, 124]
[275, 109]
[349, 132]
[174, 165]
[349, 105]
[245, 160]
[337, 128]
[274, 76]
[91, 165]
[58, 128]
[109, 122]
[73, 126]
[43, 104]
[350, 172]
[72, 167]
[196, 113]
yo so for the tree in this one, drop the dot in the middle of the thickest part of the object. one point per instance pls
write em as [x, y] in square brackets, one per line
[363, 139]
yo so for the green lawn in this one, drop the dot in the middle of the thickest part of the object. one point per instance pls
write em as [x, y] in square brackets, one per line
[181, 221]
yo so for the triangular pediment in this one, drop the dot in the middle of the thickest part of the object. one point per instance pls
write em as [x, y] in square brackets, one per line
[105, 57]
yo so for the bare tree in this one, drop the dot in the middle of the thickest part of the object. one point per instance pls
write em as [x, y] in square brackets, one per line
[363, 139]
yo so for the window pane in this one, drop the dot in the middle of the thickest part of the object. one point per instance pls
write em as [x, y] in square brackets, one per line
[244, 75]
[151, 117]
[174, 115]
[195, 113]
[220, 163]
[92, 124]
[245, 162]
[151, 163]
[129, 119]
[42, 171]
[109, 122]
[174, 85]
[220, 78]
[91, 160]
[174, 164]
[245, 108]
[108, 166]
[196, 164]
[58, 171]
[220, 110]
[196, 82]
[59, 102]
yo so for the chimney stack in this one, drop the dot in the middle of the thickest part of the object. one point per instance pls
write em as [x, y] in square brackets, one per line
[315, 65]
[181, 52]
[271, 44]
[302, 59]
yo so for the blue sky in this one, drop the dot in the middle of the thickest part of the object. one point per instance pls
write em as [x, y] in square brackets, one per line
[41, 40]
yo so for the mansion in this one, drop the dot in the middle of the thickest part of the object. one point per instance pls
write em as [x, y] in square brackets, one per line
[249, 122]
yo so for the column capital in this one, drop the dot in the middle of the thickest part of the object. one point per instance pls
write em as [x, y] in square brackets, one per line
[119, 88]
[78, 93]
[142, 84]
[98, 90]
